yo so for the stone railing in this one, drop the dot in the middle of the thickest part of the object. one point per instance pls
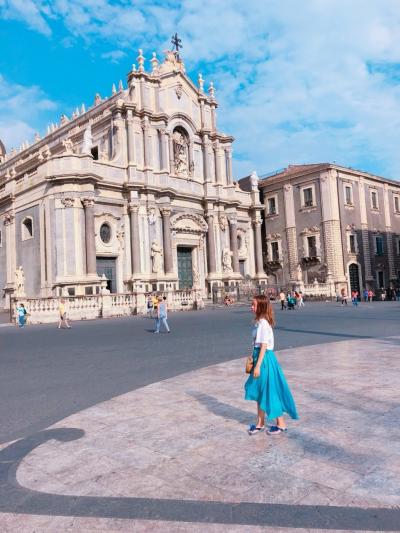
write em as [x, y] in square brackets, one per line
[186, 299]
[42, 310]
[319, 290]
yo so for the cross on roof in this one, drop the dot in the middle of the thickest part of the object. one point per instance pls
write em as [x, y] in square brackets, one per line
[176, 43]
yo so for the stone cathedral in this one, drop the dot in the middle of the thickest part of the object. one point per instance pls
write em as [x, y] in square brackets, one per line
[137, 190]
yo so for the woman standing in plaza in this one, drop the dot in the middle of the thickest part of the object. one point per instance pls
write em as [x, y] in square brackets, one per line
[267, 384]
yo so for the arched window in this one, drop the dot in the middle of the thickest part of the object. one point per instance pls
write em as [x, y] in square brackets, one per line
[27, 228]
[182, 161]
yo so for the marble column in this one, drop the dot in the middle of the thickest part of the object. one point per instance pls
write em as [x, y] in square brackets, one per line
[9, 223]
[164, 150]
[229, 177]
[206, 163]
[171, 155]
[258, 247]
[234, 244]
[88, 204]
[135, 237]
[146, 148]
[131, 140]
[216, 162]
[212, 264]
[168, 263]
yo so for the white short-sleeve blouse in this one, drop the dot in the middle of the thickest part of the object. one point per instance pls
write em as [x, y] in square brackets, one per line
[263, 334]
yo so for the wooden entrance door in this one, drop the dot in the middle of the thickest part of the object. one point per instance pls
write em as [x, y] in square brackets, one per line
[108, 267]
[185, 267]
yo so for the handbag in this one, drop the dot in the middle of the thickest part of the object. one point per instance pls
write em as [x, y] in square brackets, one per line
[249, 364]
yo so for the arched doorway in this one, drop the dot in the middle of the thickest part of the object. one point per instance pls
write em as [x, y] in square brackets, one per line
[354, 276]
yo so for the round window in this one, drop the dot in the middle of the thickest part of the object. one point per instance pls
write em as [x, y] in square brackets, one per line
[105, 233]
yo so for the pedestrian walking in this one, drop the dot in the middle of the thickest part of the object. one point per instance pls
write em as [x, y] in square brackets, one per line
[354, 298]
[155, 305]
[344, 296]
[300, 301]
[370, 295]
[282, 299]
[266, 383]
[21, 315]
[398, 294]
[63, 315]
[366, 295]
[162, 315]
[149, 305]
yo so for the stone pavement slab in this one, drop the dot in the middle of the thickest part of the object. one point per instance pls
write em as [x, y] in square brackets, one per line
[177, 453]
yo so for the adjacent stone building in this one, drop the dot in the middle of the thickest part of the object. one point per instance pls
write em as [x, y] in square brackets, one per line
[327, 224]
[138, 189]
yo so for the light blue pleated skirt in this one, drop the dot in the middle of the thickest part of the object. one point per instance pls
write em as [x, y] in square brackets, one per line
[270, 390]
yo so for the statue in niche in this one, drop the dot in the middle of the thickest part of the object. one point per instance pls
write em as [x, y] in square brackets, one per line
[180, 154]
[299, 273]
[151, 215]
[87, 141]
[19, 282]
[227, 261]
[156, 256]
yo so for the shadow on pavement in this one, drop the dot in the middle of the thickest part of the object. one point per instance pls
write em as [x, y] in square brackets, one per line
[15, 498]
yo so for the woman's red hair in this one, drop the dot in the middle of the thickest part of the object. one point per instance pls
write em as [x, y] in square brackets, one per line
[264, 309]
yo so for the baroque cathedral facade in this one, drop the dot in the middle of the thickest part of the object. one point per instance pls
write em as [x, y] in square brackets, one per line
[137, 190]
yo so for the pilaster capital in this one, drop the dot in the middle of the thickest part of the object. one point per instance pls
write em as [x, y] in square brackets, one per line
[232, 220]
[133, 207]
[88, 202]
[165, 212]
[210, 215]
[9, 218]
[68, 201]
[145, 126]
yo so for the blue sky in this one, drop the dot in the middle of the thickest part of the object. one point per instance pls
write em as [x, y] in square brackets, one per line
[297, 82]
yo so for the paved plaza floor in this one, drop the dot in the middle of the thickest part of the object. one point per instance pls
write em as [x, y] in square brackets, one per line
[174, 455]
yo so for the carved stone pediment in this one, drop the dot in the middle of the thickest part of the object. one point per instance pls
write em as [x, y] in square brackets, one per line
[311, 231]
[188, 223]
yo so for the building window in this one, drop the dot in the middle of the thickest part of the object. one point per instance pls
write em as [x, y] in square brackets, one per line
[105, 233]
[271, 206]
[396, 204]
[379, 250]
[275, 251]
[348, 194]
[27, 228]
[352, 244]
[95, 152]
[312, 246]
[374, 200]
[308, 200]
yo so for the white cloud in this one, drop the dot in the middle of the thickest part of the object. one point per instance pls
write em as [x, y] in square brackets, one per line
[296, 81]
[18, 102]
[30, 11]
[114, 55]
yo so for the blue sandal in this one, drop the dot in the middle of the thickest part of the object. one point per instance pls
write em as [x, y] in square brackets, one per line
[253, 430]
[276, 430]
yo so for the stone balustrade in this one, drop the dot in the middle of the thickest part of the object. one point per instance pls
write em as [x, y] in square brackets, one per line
[44, 310]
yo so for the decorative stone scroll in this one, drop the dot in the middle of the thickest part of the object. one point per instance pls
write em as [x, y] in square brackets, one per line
[188, 223]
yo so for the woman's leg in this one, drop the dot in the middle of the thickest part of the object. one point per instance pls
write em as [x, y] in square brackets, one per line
[260, 417]
[165, 324]
[280, 422]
